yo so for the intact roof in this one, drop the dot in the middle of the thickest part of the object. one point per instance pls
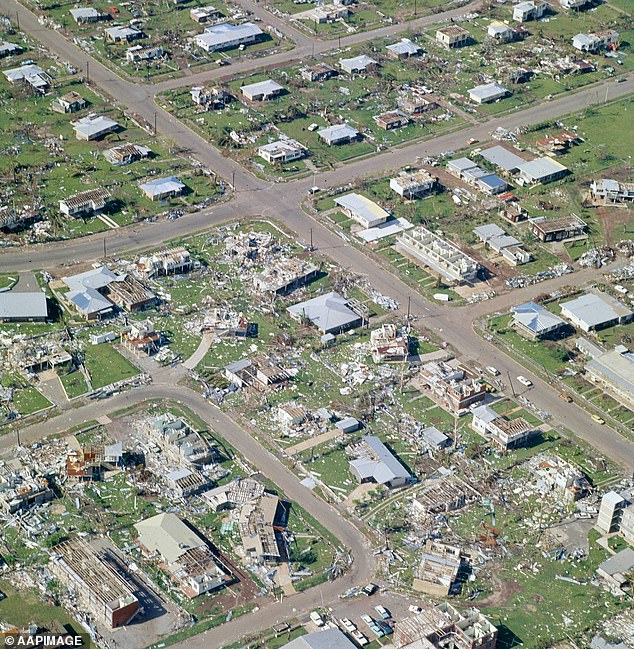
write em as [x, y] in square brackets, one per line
[84, 12]
[16, 304]
[23, 72]
[404, 46]
[540, 168]
[89, 300]
[617, 367]
[596, 308]
[226, 33]
[535, 317]
[122, 31]
[357, 62]
[237, 366]
[488, 231]
[487, 90]
[502, 157]
[612, 498]
[491, 180]
[362, 206]
[619, 563]
[327, 312]
[94, 124]
[462, 164]
[385, 468]
[162, 185]
[95, 278]
[168, 535]
[328, 639]
[266, 87]
[433, 436]
[485, 413]
[338, 131]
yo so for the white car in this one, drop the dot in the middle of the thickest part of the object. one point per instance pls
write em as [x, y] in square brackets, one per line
[316, 618]
[492, 370]
[360, 638]
[524, 381]
[415, 609]
[367, 619]
[347, 625]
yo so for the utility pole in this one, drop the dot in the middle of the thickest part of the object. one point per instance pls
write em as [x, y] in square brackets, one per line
[415, 13]
[87, 71]
[339, 37]
[17, 435]
[511, 383]
[409, 311]
[155, 123]
[311, 239]
[17, 19]
[233, 180]
[104, 248]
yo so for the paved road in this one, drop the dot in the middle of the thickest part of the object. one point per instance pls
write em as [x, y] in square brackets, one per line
[266, 463]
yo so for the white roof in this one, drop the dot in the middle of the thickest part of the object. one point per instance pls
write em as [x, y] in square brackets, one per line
[84, 12]
[485, 413]
[595, 308]
[89, 300]
[368, 210]
[168, 535]
[502, 157]
[266, 87]
[162, 186]
[404, 46]
[357, 62]
[23, 72]
[223, 33]
[328, 312]
[540, 168]
[96, 278]
[94, 125]
[535, 317]
[384, 468]
[338, 131]
[284, 145]
[488, 90]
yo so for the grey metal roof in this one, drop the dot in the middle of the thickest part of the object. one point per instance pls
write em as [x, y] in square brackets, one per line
[488, 91]
[357, 62]
[594, 309]
[461, 164]
[267, 87]
[620, 563]
[385, 468]
[535, 317]
[162, 186]
[485, 413]
[486, 232]
[434, 437]
[88, 301]
[16, 304]
[328, 312]
[221, 34]
[95, 278]
[502, 157]
[93, 125]
[404, 46]
[338, 132]
[328, 639]
[617, 367]
[362, 206]
[540, 168]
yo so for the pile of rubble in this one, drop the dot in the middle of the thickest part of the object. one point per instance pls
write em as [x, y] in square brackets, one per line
[528, 280]
[597, 257]
[625, 247]
[624, 274]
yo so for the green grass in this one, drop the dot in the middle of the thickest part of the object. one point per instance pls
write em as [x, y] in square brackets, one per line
[74, 384]
[106, 365]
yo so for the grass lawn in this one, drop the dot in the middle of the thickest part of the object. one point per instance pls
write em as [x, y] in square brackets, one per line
[106, 365]
[74, 384]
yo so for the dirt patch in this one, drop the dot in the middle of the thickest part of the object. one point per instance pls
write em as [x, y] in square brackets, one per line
[503, 592]
[611, 218]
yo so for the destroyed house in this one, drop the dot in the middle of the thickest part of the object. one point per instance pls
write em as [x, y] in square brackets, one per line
[439, 255]
[8, 49]
[19, 493]
[96, 580]
[285, 276]
[85, 463]
[554, 475]
[126, 153]
[444, 495]
[233, 494]
[330, 313]
[403, 49]
[612, 191]
[260, 373]
[204, 14]
[71, 102]
[31, 75]
[558, 144]
[180, 442]
[391, 120]
[453, 36]
[389, 345]
[438, 571]
[558, 229]
[185, 483]
[413, 185]
[415, 103]
[318, 72]
[445, 627]
[142, 338]
[213, 98]
[173, 261]
[138, 53]
[261, 522]
[190, 560]
[506, 433]
[374, 462]
[85, 204]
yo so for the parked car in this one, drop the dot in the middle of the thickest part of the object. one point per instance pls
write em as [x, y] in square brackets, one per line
[492, 370]
[524, 381]
[347, 625]
[415, 609]
[598, 419]
[316, 618]
[367, 619]
[565, 397]
[370, 589]
[360, 638]
[383, 612]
